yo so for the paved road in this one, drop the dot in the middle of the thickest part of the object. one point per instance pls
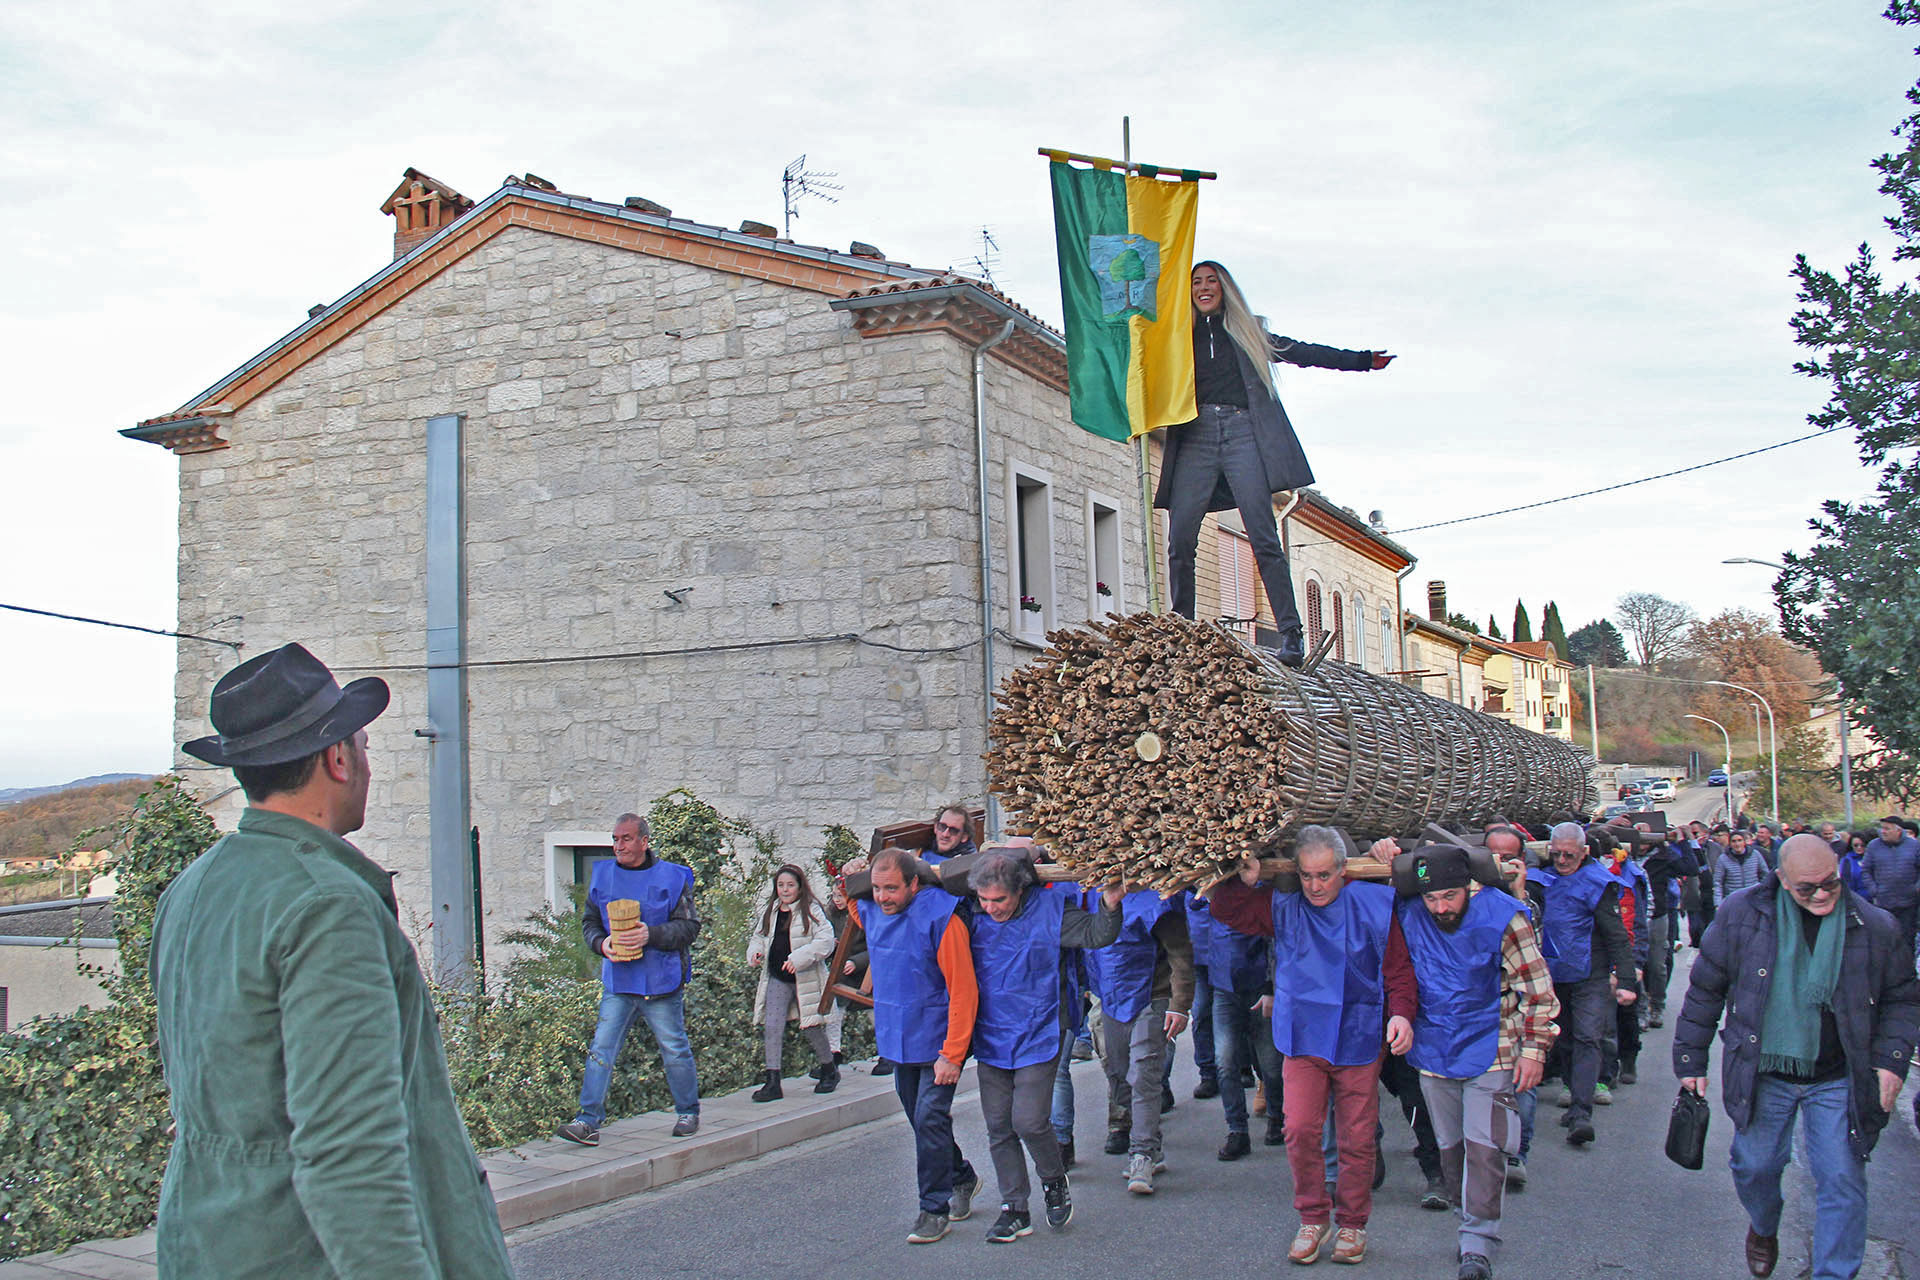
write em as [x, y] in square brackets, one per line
[841, 1206]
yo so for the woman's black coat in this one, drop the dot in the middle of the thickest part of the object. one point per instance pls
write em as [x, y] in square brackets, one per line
[1280, 452]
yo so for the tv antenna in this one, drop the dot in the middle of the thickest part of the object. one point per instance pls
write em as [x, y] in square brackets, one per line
[796, 184]
[982, 263]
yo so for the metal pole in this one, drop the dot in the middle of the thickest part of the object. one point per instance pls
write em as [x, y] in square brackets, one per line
[1773, 742]
[1846, 766]
[479, 917]
[1146, 492]
[448, 793]
[1727, 744]
[1593, 714]
[986, 554]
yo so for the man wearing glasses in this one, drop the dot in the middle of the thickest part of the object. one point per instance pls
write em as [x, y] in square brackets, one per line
[1822, 1014]
[950, 838]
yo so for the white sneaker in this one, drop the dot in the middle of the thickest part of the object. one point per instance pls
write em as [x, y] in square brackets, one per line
[1140, 1174]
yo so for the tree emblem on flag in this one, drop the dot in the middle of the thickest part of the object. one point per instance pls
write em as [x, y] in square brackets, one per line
[1128, 270]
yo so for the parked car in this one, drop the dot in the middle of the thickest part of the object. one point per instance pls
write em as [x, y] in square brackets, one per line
[1614, 811]
[1718, 778]
[1628, 790]
[1659, 789]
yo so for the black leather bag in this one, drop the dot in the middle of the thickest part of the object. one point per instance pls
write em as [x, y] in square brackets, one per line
[1687, 1130]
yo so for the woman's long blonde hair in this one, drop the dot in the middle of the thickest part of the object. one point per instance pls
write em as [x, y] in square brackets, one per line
[1243, 326]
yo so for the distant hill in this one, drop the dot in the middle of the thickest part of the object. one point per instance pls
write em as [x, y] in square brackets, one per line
[49, 824]
[14, 795]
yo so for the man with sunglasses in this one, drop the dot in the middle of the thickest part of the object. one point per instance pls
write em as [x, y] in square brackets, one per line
[951, 838]
[1822, 1013]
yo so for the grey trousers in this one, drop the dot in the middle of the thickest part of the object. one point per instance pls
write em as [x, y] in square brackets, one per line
[774, 1029]
[1477, 1126]
[1659, 966]
[1018, 1107]
[1220, 443]
[1135, 1057]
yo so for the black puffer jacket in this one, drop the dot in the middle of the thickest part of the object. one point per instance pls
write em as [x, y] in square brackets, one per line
[1876, 1004]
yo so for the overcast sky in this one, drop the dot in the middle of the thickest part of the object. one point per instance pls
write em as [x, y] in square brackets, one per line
[1574, 223]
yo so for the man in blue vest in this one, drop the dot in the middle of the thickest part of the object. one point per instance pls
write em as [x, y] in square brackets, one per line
[1205, 1061]
[924, 1004]
[1590, 957]
[1342, 980]
[1482, 1032]
[1145, 983]
[1240, 971]
[1019, 933]
[650, 986]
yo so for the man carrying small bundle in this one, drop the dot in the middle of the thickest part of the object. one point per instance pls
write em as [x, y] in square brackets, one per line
[1019, 933]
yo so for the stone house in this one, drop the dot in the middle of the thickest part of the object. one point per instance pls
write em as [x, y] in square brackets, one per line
[618, 502]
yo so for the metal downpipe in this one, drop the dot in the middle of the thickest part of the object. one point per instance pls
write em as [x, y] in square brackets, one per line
[986, 553]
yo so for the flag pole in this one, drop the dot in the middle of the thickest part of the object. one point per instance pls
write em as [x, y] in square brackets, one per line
[1140, 462]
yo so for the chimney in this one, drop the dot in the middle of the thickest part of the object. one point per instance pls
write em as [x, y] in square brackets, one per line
[421, 207]
[1437, 602]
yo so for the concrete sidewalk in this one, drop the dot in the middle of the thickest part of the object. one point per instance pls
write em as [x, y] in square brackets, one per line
[543, 1179]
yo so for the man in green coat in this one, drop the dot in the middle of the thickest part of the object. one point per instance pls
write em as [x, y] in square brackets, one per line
[316, 1133]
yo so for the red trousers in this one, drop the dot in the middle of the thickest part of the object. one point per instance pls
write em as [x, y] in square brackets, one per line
[1356, 1110]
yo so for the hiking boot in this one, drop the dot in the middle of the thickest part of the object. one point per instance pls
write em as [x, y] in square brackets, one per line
[1435, 1196]
[1236, 1145]
[1602, 1096]
[829, 1078]
[1059, 1203]
[928, 1227]
[686, 1126]
[1349, 1244]
[579, 1131]
[1307, 1242]
[1209, 1087]
[1116, 1142]
[770, 1089]
[1475, 1267]
[1516, 1173]
[960, 1205]
[1140, 1173]
[882, 1067]
[1580, 1133]
[1276, 1132]
[1010, 1226]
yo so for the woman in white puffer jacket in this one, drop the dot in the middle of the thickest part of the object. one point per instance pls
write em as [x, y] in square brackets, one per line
[792, 942]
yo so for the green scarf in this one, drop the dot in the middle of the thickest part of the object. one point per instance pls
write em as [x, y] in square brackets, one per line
[1802, 986]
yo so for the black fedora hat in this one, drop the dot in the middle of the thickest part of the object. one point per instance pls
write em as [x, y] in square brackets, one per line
[284, 705]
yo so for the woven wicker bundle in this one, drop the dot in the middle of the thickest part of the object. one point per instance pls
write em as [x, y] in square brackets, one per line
[1160, 750]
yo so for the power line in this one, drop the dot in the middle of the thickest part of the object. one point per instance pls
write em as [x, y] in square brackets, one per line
[123, 626]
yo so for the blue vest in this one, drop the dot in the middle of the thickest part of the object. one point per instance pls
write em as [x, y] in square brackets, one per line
[1566, 926]
[1456, 1034]
[1122, 974]
[909, 991]
[657, 888]
[1329, 982]
[1018, 967]
[1073, 972]
[1233, 961]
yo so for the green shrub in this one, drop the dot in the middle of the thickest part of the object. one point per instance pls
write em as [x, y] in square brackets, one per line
[84, 1127]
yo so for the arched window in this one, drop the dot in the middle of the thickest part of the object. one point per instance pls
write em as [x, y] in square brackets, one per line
[1314, 629]
[1339, 629]
[1359, 630]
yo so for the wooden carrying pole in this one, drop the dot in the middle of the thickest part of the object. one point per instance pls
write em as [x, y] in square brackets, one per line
[1127, 166]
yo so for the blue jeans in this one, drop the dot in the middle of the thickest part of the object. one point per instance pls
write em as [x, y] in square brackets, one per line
[1239, 1028]
[1203, 1055]
[1760, 1154]
[1219, 445]
[1063, 1090]
[936, 1156]
[1529, 1102]
[667, 1019]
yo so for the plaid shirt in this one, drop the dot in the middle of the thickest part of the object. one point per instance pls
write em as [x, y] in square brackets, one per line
[1527, 1003]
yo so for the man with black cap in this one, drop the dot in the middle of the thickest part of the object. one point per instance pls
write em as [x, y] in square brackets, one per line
[1482, 1032]
[316, 1133]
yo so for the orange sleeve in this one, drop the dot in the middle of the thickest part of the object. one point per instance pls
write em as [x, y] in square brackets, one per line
[955, 959]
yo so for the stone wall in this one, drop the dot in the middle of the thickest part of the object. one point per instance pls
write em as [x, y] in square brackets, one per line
[637, 425]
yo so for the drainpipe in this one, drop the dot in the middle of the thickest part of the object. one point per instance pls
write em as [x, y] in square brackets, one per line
[450, 864]
[1400, 615]
[986, 553]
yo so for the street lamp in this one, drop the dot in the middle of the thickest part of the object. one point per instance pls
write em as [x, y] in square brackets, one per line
[1769, 564]
[1772, 742]
[1727, 743]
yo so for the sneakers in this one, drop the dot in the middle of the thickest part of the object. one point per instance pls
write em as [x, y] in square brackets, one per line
[1435, 1196]
[1209, 1087]
[928, 1227]
[1140, 1173]
[1059, 1203]
[1580, 1133]
[829, 1078]
[1083, 1050]
[1116, 1142]
[686, 1126]
[960, 1205]
[1236, 1145]
[1516, 1173]
[1350, 1245]
[1307, 1242]
[1475, 1267]
[579, 1131]
[1010, 1226]
[1566, 1097]
[1602, 1096]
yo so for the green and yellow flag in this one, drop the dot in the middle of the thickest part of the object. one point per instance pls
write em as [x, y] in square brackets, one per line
[1126, 255]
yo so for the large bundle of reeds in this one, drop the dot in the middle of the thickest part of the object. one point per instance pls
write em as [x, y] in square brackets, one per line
[1161, 750]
